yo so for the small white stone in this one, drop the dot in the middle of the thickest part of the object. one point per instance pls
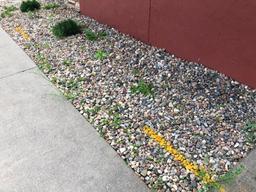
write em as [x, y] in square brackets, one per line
[160, 171]
[175, 187]
[165, 178]
[122, 150]
[170, 105]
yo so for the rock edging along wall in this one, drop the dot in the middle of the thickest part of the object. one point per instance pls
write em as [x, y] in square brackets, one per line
[219, 34]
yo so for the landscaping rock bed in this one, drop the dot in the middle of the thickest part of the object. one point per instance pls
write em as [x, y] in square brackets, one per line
[199, 111]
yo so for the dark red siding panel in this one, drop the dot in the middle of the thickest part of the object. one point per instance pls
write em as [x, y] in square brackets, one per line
[130, 17]
[220, 34]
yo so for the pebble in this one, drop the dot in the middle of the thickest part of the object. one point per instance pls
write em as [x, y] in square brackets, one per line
[165, 178]
[122, 150]
[144, 173]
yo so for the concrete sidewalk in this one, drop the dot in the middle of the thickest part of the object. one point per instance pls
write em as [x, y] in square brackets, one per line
[45, 144]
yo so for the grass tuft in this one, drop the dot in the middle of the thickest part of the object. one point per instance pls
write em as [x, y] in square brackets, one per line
[51, 6]
[250, 131]
[142, 88]
[92, 36]
[227, 178]
[100, 55]
[8, 11]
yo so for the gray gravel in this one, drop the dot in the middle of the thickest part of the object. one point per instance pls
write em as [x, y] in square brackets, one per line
[200, 111]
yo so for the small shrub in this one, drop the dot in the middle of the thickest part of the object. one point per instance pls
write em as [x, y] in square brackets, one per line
[29, 5]
[100, 55]
[66, 28]
[143, 88]
[250, 131]
[7, 11]
[51, 6]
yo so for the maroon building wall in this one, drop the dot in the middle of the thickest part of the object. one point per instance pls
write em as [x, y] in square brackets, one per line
[219, 34]
[128, 16]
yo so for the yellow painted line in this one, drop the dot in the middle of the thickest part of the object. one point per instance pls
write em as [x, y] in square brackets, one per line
[24, 34]
[178, 156]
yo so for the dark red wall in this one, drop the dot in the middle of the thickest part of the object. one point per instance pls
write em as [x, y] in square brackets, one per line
[220, 34]
[128, 16]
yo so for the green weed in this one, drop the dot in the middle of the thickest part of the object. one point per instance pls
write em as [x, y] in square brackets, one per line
[67, 62]
[100, 55]
[159, 183]
[71, 96]
[32, 14]
[250, 131]
[116, 120]
[102, 34]
[83, 48]
[115, 117]
[54, 80]
[231, 175]
[8, 11]
[105, 121]
[46, 45]
[224, 179]
[43, 63]
[136, 72]
[73, 84]
[92, 111]
[142, 88]
[92, 36]
[51, 6]
[50, 17]
[45, 67]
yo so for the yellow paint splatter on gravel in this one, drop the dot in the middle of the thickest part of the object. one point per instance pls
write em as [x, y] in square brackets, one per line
[198, 171]
[24, 34]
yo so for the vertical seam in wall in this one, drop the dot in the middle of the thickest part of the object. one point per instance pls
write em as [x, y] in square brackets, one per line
[149, 20]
